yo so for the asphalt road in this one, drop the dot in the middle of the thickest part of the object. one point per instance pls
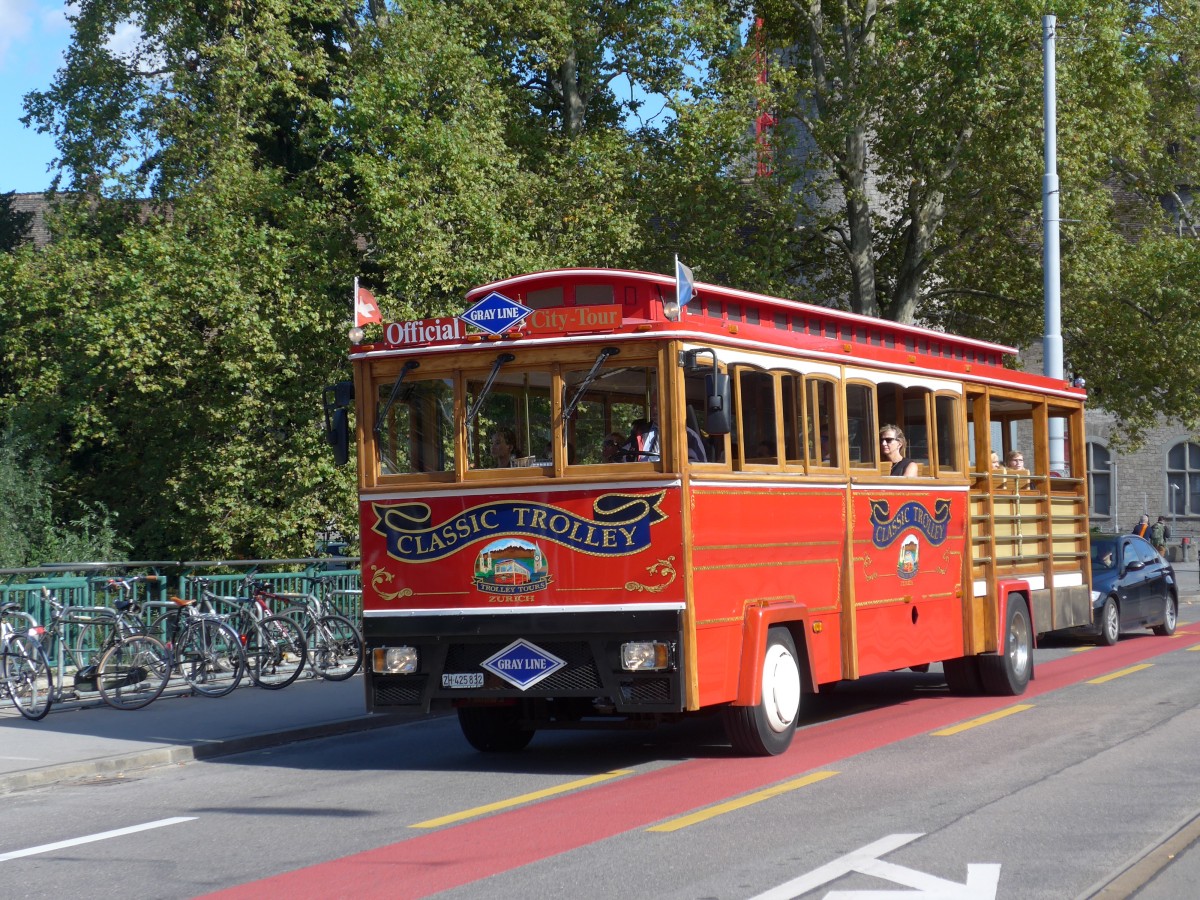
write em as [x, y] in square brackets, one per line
[892, 785]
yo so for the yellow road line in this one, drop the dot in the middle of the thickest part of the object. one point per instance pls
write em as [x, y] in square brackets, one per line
[1081, 649]
[983, 720]
[1197, 647]
[524, 798]
[748, 800]
[1122, 672]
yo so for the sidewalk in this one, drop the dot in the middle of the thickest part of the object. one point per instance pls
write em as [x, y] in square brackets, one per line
[84, 740]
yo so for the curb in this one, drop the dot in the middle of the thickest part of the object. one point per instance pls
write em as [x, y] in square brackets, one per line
[1142, 869]
[165, 756]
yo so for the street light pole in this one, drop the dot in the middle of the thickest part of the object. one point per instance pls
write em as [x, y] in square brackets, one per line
[1052, 344]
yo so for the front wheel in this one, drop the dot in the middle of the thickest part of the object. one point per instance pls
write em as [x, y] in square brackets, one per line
[766, 729]
[334, 647]
[132, 673]
[1110, 623]
[209, 655]
[494, 729]
[1170, 617]
[275, 652]
[27, 676]
[1007, 673]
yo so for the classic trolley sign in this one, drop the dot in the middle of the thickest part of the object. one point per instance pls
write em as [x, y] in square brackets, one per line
[582, 504]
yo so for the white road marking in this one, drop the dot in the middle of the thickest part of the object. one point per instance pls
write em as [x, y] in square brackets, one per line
[982, 879]
[87, 839]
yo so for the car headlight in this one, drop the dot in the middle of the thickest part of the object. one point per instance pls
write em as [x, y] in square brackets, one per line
[1095, 596]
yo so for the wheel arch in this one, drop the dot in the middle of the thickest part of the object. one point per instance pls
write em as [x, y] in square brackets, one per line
[758, 622]
[1005, 592]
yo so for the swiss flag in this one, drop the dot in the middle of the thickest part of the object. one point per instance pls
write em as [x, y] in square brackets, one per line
[366, 310]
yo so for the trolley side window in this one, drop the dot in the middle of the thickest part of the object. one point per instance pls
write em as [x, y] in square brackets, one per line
[415, 425]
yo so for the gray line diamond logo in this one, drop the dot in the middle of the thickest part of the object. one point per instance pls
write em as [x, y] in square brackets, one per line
[523, 664]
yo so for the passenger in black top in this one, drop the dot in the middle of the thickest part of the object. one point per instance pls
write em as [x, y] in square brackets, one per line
[891, 440]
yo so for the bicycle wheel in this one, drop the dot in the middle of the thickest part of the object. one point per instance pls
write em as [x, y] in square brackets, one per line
[334, 647]
[132, 673]
[275, 652]
[88, 643]
[27, 676]
[209, 656]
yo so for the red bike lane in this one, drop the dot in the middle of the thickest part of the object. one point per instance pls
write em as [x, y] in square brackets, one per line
[460, 854]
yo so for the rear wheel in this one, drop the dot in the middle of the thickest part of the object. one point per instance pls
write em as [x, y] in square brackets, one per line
[766, 729]
[334, 647]
[1008, 672]
[494, 729]
[1170, 617]
[275, 652]
[132, 673]
[27, 676]
[1110, 623]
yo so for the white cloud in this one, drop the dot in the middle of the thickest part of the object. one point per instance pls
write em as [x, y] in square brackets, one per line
[16, 22]
[125, 38]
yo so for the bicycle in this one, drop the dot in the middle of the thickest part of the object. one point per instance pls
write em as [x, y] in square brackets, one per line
[274, 645]
[24, 665]
[126, 679]
[334, 644]
[204, 650]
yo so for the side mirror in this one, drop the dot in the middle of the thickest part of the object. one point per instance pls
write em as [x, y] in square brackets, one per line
[718, 402]
[1134, 564]
[336, 401]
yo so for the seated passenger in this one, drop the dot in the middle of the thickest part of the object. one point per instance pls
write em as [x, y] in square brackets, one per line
[504, 447]
[644, 444]
[1014, 461]
[891, 440]
[610, 451]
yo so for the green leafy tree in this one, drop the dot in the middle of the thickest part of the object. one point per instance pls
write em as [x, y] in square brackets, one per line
[914, 133]
[30, 532]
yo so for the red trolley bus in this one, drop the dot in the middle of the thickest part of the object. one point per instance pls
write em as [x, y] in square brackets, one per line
[582, 503]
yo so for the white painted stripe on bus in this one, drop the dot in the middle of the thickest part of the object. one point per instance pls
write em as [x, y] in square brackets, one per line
[551, 487]
[87, 839]
[524, 610]
[726, 341]
[894, 485]
[1036, 582]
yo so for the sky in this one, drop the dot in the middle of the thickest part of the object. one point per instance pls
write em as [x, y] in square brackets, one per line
[33, 36]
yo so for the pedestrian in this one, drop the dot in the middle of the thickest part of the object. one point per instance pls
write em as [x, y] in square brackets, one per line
[1158, 536]
[1142, 528]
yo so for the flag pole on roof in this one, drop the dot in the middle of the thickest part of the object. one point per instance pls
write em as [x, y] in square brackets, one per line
[366, 310]
[685, 284]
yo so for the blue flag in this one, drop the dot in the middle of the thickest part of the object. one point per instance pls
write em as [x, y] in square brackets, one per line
[685, 285]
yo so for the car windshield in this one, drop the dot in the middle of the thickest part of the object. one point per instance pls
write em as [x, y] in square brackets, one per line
[1104, 554]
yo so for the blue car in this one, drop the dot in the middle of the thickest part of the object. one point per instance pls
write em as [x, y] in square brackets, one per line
[1132, 587]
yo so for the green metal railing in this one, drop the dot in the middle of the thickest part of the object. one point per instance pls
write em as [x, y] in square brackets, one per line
[84, 584]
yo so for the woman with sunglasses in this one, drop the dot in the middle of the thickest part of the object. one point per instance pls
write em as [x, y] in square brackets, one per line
[891, 441]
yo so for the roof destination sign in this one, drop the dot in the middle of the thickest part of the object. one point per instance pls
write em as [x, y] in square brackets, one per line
[496, 314]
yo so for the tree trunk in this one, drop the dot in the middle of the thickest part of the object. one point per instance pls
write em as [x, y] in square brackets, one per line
[573, 106]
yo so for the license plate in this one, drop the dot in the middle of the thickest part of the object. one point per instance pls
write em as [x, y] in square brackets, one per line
[462, 680]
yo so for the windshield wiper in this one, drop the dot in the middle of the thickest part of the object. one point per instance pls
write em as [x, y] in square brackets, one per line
[487, 387]
[569, 410]
[379, 419]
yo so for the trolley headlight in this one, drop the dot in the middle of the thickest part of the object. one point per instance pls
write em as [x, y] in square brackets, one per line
[643, 656]
[395, 660]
